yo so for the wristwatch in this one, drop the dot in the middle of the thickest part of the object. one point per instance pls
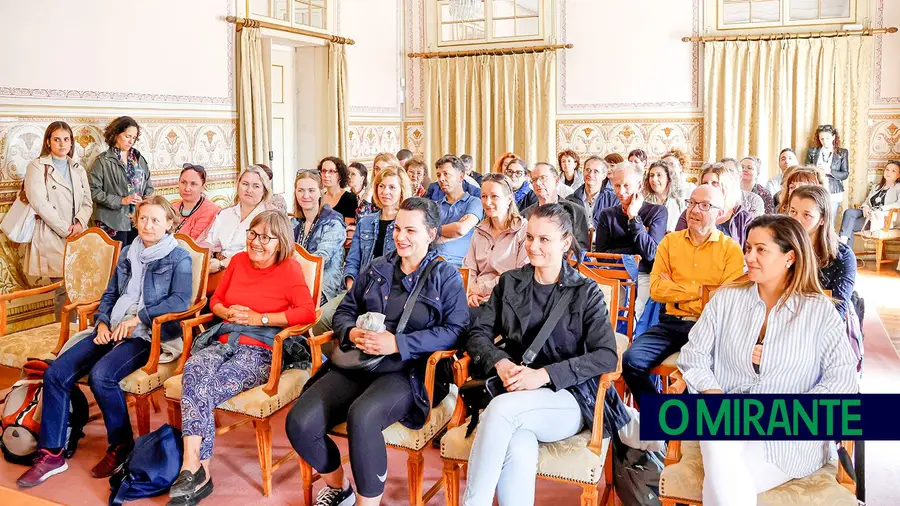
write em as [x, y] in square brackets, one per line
[265, 320]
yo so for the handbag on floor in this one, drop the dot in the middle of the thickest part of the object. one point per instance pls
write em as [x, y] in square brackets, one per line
[636, 473]
[151, 469]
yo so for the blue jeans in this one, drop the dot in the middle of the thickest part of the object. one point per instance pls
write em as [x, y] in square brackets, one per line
[106, 365]
[649, 350]
[853, 222]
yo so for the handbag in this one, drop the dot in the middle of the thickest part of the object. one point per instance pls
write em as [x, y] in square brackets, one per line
[19, 222]
[355, 359]
[477, 394]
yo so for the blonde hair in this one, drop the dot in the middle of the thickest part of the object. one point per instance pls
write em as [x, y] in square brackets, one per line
[278, 224]
[795, 174]
[387, 158]
[263, 176]
[402, 177]
[728, 181]
[505, 183]
[305, 174]
[156, 200]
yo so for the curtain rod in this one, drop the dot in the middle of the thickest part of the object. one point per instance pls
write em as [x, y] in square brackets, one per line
[868, 32]
[495, 51]
[252, 23]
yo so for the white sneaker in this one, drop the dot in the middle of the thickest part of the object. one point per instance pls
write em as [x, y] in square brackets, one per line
[630, 434]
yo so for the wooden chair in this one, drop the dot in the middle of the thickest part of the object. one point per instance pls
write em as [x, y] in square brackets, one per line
[610, 266]
[465, 278]
[142, 384]
[258, 405]
[880, 237]
[89, 262]
[398, 436]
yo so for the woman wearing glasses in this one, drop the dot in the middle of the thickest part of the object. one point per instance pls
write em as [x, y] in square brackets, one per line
[777, 333]
[195, 212]
[336, 182]
[517, 172]
[262, 291]
[320, 229]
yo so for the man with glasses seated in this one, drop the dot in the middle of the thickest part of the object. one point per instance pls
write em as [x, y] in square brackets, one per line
[596, 194]
[685, 261]
[545, 181]
[460, 211]
[517, 172]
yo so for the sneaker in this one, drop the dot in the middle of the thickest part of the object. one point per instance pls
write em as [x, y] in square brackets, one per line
[194, 497]
[45, 466]
[113, 461]
[335, 497]
[187, 483]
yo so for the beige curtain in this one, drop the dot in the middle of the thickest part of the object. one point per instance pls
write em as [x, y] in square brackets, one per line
[338, 127]
[762, 96]
[253, 102]
[488, 105]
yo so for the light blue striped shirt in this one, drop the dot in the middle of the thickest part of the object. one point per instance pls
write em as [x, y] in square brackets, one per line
[805, 351]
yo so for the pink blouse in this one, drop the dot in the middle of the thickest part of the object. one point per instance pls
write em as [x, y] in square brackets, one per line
[488, 258]
[196, 225]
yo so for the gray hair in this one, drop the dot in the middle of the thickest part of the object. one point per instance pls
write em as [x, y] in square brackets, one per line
[552, 168]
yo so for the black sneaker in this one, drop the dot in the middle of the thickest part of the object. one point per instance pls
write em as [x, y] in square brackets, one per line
[335, 497]
[195, 497]
[187, 483]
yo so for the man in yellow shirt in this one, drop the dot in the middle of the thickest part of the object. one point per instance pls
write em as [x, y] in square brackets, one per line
[685, 261]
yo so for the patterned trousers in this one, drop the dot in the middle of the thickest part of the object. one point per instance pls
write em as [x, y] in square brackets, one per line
[213, 376]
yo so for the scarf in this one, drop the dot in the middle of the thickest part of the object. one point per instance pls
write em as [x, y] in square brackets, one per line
[522, 191]
[139, 256]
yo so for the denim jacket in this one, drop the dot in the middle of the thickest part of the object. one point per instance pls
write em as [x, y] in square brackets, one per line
[167, 289]
[363, 244]
[326, 239]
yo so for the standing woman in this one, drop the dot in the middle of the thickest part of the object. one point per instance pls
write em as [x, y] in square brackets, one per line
[663, 186]
[570, 169]
[750, 169]
[58, 191]
[119, 179]
[553, 397]
[810, 206]
[336, 181]
[195, 212]
[777, 333]
[884, 196]
[831, 159]
[228, 233]
[320, 229]
[370, 401]
[499, 241]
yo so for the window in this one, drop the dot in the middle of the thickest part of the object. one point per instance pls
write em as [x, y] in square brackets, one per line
[773, 13]
[491, 21]
[310, 13]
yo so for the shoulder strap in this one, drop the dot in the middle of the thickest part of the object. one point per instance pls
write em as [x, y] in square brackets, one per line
[411, 301]
[561, 306]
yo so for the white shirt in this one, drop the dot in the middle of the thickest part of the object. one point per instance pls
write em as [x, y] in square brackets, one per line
[774, 184]
[805, 351]
[228, 233]
[563, 191]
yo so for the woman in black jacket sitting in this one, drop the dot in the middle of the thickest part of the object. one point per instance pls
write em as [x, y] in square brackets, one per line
[547, 398]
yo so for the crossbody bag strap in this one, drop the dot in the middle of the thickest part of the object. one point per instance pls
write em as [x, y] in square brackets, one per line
[411, 301]
[561, 306]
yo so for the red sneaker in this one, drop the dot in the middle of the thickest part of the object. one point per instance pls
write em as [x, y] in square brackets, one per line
[113, 461]
[45, 466]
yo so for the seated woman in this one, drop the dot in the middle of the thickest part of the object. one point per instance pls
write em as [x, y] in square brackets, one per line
[152, 278]
[570, 173]
[679, 161]
[320, 229]
[735, 219]
[417, 171]
[358, 179]
[750, 169]
[195, 212]
[498, 244]
[775, 334]
[663, 186]
[370, 401]
[811, 206]
[263, 290]
[884, 196]
[382, 161]
[228, 234]
[336, 180]
[547, 400]
[794, 178]
[517, 172]
[639, 158]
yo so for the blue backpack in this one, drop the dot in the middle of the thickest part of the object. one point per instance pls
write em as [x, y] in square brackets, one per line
[151, 468]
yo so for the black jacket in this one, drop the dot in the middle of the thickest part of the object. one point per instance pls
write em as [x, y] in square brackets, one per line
[580, 222]
[581, 347]
[840, 167]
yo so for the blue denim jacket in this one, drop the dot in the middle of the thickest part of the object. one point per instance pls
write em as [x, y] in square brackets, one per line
[363, 244]
[326, 239]
[167, 289]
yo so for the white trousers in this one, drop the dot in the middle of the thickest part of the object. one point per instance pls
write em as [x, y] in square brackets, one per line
[736, 472]
[643, 295]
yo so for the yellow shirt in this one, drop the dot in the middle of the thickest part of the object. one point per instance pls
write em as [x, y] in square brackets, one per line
[715, 262]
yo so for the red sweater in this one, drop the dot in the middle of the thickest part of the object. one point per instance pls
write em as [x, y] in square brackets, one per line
[276, 289]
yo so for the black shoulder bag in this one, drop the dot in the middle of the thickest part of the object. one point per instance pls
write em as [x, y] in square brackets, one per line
[355, 359]
[477, 394]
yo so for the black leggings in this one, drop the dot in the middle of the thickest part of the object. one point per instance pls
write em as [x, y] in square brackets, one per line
[369, 403]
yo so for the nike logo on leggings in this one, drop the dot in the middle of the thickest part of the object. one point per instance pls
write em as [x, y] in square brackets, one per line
[382, 477]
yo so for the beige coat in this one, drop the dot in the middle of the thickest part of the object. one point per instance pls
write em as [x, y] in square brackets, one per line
[53, 203]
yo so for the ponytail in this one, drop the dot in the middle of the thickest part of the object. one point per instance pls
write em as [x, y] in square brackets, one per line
[564, 218]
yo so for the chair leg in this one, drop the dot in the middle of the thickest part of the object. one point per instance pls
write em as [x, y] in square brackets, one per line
[879, 252]
[142, 413]
[589, 496]
[264, 448]
[451, 483]
[154, 401]
[174, 411]
[306, 478]
[415, 470]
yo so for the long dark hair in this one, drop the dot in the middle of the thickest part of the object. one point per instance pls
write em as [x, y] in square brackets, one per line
[881, 184]
[562, 217]
[825, 245]
[363, 171]
[343, 173]
[833, 131]
[431, 214]
[60, 125]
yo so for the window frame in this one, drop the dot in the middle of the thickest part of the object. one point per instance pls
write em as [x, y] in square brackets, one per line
[291, 8]
[488, 21]
[784, 19]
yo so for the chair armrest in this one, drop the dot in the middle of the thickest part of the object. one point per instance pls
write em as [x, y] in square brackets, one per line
[156, 333]
[6, 297]
[315, 348]
[191, 311]
[431, 372]
[842, 477]
[271, 387]
[605, 383]
[83, 309]
[187, 332]
[460, 376]
[673, 453]
[889, 219]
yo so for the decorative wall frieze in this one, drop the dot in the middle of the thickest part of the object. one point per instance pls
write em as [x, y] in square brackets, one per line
[367, 139]
[884, 138]
[414, 137]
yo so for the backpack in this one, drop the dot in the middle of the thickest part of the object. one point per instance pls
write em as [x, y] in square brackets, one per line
[151, 469]
[636, 474]
[20, 421]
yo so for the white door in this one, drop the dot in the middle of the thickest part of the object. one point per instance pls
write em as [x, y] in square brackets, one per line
[283, 122]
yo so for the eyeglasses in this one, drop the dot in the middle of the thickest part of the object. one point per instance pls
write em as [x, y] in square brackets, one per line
[515, 174]
[541, 179]
[263, 239]
[704, 206]
[329, 171]
[311, 171]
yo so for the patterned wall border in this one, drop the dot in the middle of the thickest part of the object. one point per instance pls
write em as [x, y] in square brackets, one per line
[884, 138]
[401, 55]
[45, 93]
[368, 138]
[415, 42]
[695, 73]
[879, 40]
[414, 136]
